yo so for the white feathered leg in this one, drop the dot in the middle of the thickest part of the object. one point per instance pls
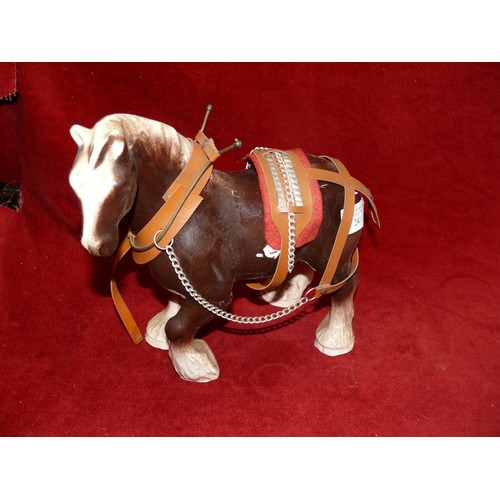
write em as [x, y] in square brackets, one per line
[155, 331]
[335, 335]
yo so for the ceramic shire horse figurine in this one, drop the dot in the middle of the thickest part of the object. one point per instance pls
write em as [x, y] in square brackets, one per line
[132, 166]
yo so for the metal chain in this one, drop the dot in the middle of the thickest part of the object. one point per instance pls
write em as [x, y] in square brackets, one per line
[291, 216]
[246, 320]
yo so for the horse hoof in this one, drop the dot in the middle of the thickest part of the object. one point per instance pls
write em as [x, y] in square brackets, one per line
[155, 331]
[334, 338]
[332, 351]
[335, 335]
[194, 361]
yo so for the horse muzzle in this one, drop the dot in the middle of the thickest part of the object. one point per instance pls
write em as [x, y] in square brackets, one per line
[104, 248]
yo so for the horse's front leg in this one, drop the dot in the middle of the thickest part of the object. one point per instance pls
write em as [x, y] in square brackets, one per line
[192, 358]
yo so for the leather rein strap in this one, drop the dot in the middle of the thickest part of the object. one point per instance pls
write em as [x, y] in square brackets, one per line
[181, 200]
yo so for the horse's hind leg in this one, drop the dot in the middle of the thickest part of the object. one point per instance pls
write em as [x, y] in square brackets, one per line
[192, 358]
[155, 331]
[334, 335]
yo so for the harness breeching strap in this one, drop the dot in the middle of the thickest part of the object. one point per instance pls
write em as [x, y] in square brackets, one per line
[281, 210]
[351, 186]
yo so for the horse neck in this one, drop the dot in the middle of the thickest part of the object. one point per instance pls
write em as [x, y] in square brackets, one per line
[159, 153]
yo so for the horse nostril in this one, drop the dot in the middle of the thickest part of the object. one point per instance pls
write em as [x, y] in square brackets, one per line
[107, 247]
[106, 250]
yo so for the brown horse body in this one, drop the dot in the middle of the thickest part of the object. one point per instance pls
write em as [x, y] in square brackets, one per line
[221, 243]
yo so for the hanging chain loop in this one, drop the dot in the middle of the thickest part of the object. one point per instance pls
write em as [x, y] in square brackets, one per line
[246, 320]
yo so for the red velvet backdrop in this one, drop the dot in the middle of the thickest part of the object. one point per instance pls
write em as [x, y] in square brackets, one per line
[423, 137]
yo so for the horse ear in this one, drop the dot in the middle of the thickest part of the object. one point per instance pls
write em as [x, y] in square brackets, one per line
[80, 135]
[117, 144]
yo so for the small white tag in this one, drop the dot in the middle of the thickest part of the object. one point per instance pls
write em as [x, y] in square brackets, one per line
[358, 216]
[271, 253]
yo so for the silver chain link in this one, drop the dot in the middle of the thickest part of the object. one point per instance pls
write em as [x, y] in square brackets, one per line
[291, 216]
[246, 320]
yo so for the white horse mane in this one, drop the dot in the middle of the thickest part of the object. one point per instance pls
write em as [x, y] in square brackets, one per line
[137, 129]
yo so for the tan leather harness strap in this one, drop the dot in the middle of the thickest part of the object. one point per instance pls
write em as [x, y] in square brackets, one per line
[122, 309]
[181, 200]
[351, 186]
[304, 212]
[301, 206]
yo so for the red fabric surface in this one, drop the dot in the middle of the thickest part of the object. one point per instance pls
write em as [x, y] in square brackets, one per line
[271, 232]
[7, 80]
[9, 166]
[423, 137]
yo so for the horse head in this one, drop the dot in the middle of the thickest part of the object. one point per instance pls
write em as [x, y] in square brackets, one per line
[104, 179]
